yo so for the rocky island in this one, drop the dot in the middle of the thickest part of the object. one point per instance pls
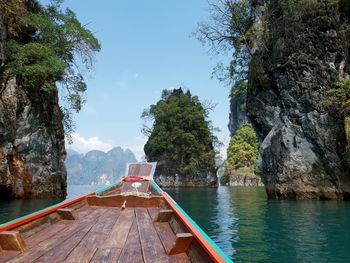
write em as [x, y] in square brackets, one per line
[38, 48]
[293, 59]
[181, 141]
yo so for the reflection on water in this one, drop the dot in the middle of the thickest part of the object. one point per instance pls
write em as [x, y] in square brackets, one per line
[246, 225]
[250, 228]
[11, 209]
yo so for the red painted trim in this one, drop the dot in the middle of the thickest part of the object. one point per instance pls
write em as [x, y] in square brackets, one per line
[202, 240]
[49, 210]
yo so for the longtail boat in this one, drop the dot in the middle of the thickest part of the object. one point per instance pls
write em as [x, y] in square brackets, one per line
[131, 221]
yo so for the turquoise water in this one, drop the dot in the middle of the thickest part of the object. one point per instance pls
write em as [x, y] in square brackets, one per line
[11, 209]
[247, 226]
[250, 228]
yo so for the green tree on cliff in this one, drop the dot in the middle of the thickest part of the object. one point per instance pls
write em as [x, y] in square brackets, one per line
[45, 46]
[242, 152]
[180, 139]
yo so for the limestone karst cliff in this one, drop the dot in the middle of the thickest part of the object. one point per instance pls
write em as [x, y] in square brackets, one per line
[38, 49]
[32, 146]
[303, 143]
[181, 141]
[237, 115]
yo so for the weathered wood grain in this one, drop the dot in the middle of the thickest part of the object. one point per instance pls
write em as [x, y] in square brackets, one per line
[67, 214]
[164, 215]
[179, 258]
[37, 225]
[12, 240]
[139, 169]
[120, 231]
[177, 226]
[131, 201]
[152, 248]
[180, 244]
[197, 254]
[132, 252]
[62, 250]
[45, 234]
[94, 239]
[73, 227]
[106, 255]
[153, 212]
[5, 256]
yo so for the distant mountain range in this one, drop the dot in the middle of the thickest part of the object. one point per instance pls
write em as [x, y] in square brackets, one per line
[97, 167]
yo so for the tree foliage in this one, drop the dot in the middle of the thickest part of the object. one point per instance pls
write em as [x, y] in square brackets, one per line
[47, 45]
[243, 148]
[180, 136]
[230, 28]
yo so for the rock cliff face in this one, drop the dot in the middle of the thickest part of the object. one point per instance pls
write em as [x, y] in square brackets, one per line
[237, 114]
[303, 144]
[32, 146]
[166, 176]
[236, 180]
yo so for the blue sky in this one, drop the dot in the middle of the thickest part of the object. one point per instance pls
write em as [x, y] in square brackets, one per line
[146, 47]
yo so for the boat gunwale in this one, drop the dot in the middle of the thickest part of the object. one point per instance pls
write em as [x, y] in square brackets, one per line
[42, 212]
[205, 241]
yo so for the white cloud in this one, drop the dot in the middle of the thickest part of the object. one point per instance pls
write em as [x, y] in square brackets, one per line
[83, 145]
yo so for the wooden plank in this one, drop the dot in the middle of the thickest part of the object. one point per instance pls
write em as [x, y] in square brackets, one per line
[152, 248]
[67, 214]
[12, 240]
[137, 169]
[106, 222]
[164, 215]
[13, 224]
[73, 227]
[153, 212]
[96, 237]
[132, 252]
[197, 254]
[120, 231]
[61, 251]
[131, 201]
[37, 225]
[106, 255]
[128, 187]
[167, 237]
[181, 243]
[213, 251]
[177, 226]
[166, 234]
[6, 255]
[180, 258]
[45, 234]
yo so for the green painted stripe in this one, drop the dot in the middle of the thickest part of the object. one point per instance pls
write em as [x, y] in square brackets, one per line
[214, 245]
[55, 205]
[33, 213]
[155, 186]
[211, 242]
[99, 191]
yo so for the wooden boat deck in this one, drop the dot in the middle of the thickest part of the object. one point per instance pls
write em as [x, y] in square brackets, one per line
[132, 221]
[101, 234]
